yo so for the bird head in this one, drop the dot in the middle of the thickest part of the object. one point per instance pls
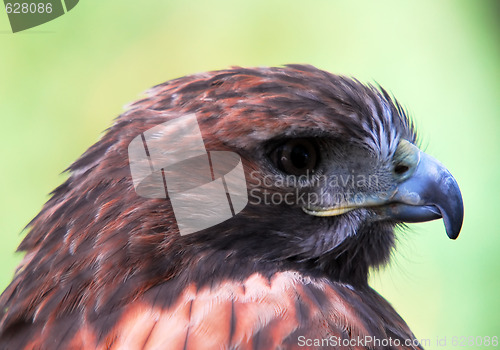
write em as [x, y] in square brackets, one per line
[331, 167]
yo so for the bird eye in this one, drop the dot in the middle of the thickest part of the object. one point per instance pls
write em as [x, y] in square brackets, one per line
[296, 156]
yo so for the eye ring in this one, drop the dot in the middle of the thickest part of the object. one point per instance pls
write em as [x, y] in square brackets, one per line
[296, 156]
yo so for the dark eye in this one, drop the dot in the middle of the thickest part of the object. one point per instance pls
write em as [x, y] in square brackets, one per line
[296, 157]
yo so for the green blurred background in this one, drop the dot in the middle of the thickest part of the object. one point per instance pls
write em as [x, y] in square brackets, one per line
[62, 83]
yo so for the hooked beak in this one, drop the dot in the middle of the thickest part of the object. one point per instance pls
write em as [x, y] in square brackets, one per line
[427, 191]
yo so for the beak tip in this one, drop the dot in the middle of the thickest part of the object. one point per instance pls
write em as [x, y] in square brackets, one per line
[453, 234]
[453, 227]
[453, 219]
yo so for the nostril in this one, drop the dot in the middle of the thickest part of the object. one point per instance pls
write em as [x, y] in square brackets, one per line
[400, 169]
[405, 160]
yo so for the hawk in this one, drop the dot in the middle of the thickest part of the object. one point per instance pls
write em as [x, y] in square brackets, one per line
[331, 167]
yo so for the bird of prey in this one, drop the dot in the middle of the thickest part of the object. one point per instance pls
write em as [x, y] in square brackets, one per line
[331, 167]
